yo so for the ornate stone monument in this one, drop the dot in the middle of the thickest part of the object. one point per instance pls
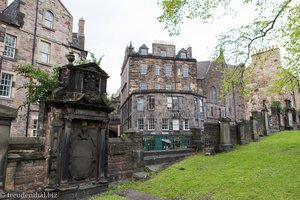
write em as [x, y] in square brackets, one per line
[75, 124]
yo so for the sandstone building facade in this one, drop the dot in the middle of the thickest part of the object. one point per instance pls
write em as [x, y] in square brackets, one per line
[160, 93]
[231, 106]
[37, 32]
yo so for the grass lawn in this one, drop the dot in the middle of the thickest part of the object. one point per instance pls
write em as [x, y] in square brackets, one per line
[268, 169]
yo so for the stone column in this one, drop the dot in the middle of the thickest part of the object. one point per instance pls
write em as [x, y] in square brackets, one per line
[225, 136]
[275, 119]
[7, 114]
[253, 123]
[266, 122]
[241, 133]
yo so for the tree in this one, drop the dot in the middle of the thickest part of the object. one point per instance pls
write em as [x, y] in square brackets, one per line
[275, 21]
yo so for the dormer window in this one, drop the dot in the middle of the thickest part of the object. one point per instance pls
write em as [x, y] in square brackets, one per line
[182, 55]
[144, 51]
[48, 19]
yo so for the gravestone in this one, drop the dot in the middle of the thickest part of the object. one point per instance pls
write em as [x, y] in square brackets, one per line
[253, 124]
[265, 117]
[225, 135]
[75, 124]
[288, 118]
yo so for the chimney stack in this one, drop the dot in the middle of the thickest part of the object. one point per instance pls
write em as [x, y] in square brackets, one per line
[3, 5]
[81, 36]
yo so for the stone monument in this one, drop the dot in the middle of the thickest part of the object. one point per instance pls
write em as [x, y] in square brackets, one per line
[75, 128]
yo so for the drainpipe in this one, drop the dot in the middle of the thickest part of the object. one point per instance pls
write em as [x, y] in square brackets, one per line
[32, 59]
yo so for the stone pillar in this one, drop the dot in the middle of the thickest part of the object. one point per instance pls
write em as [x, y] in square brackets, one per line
[275, 114]
[7, 114]
[225, 136]
[288, 117]
[197, 139]
[241, 133]
[266, 122]
[10, 176]
[253, 123]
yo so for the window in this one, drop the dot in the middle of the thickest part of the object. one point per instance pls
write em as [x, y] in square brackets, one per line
[49, 18]
[168, 87]
[185, 72]
[195, 104]
[163, 53]
[165, 124]
[45, 52]
[169, 103]
[186, 124]
[151, 102]
[186, 88]
[213, 94]
[6, 85]
[182, 55]
[176, 124]
[157, 70]
[140, 104]
[77, 56]
[143, 69]
[144, 51]
[151, 124]
[10, 46]
[143, 86]
[157, 86]
[201, 105]
[168, 70]
[140, 124]
[35, 128]
[175, 103]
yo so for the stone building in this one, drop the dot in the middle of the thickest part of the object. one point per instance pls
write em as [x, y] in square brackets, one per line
[210, 73]
[37, 32]
[160, 93]
[263, 72]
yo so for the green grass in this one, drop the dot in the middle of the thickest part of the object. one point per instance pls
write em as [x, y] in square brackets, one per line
[268, 169]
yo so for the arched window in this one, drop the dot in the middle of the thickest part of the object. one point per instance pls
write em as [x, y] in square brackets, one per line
[48, 19]
[213, 94]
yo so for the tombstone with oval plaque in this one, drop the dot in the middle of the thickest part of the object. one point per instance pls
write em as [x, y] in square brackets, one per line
[75, 125]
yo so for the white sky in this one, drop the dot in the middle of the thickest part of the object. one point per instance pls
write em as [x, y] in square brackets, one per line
[111, 25]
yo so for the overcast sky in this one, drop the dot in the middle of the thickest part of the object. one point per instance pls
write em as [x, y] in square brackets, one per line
[111, 25]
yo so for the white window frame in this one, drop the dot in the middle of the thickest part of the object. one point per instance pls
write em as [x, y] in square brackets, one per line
[163, 53]
[48, 19]
[144, 52]
[140, 104]
[185, 72]
[35, 128]
[143, 69]
[157, 70]
[140, 124]
[186, 125]
[183, 55]
[151, 102]
[201, 105]
[45, 52]
[165, 123]
[176, 125]
[168, 70]
[169, 103]
[10, 43]
[6, 83]
[151, 124]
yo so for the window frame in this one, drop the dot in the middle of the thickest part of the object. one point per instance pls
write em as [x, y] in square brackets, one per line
[45, 53]
[185, 72]
[151, 124]
[213, 94]
[157, 69]
[7, 88]
[151, 102]
[143, 86]
[165, 123]
[168, 70]
[49, 23]
[143, 69]
[140, 124]
[186, 125]
[140, 104]
[8, 48]
[177, 124]
[35, 128]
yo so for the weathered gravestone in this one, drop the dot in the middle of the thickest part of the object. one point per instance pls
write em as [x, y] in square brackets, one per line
[75, 124]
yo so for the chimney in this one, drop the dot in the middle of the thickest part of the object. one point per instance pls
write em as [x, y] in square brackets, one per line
[3, 5]
[81, 37]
